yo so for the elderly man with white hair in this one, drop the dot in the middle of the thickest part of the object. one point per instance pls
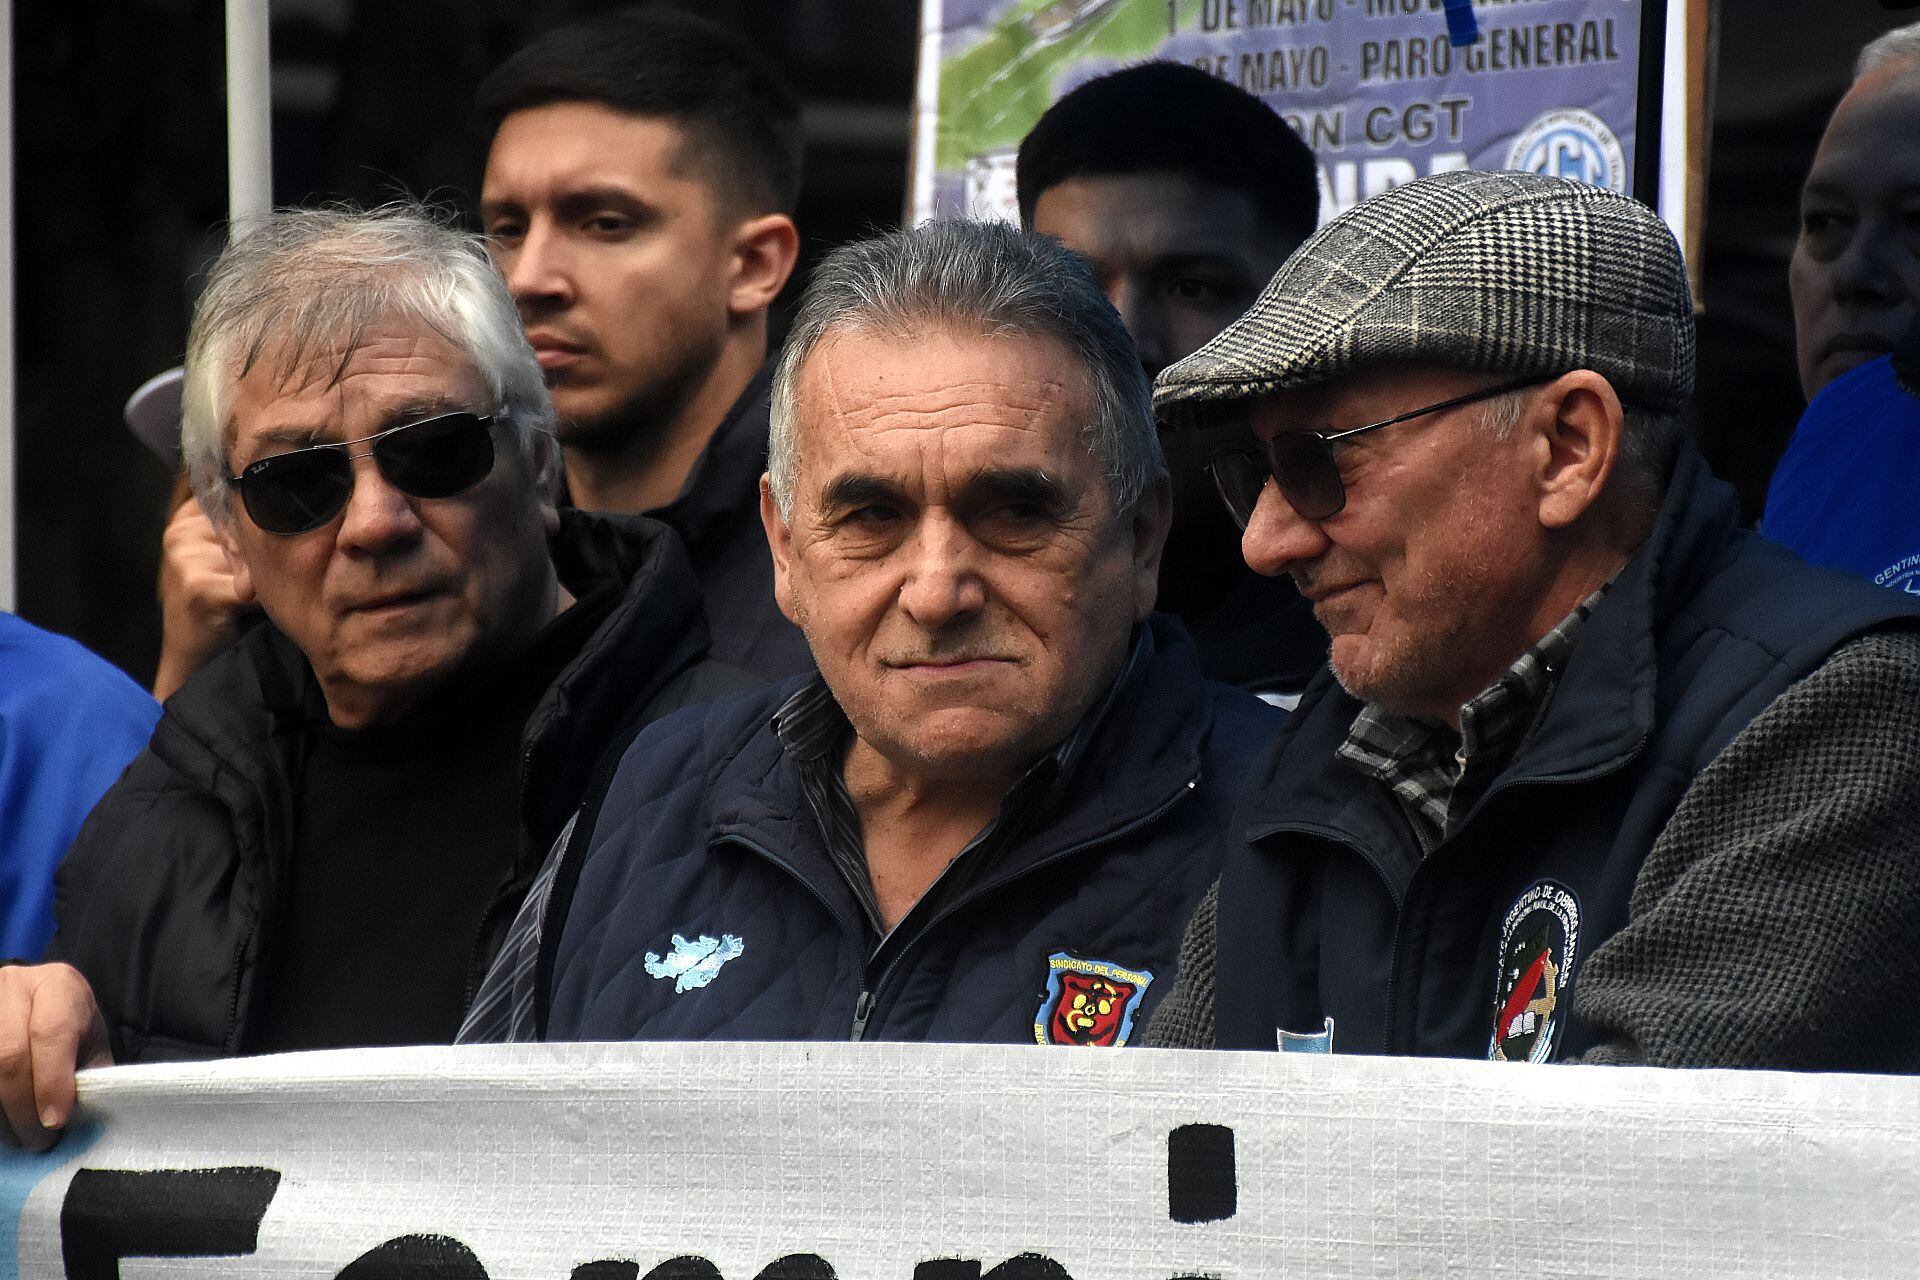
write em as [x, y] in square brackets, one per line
[337, 819]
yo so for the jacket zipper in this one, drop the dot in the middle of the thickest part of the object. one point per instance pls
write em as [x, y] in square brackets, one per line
[1392, 1039]
[478, 959]
[1394, 893]
[1391, 1043]
[233, 1006]
[863, 1007]
[953, 908]
[869, 998]
[862, 1010]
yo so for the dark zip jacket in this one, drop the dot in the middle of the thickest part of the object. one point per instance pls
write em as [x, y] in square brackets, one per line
[707, 907]
[1328, 910]
[717, 515]
[168, 900]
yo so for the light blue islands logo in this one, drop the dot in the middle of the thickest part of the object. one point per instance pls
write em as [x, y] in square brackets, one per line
[1571, 143]
[696, 962]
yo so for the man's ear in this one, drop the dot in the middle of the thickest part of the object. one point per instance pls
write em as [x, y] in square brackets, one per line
[765, 250]
[780, 543]
[236, 558]
[1578, 423]
[1152, 517]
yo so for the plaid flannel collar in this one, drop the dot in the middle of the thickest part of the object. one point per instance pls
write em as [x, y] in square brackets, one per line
[1435, 773]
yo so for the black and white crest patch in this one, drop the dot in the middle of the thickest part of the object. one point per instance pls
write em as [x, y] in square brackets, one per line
[1539, 940]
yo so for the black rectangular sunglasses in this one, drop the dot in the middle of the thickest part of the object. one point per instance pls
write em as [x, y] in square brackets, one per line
[1302, 462]
[303, 489]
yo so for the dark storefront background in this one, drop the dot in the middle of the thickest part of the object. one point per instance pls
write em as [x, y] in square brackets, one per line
[121, 185]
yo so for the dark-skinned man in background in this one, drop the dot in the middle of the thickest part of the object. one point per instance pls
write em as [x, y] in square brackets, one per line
[1184, 194]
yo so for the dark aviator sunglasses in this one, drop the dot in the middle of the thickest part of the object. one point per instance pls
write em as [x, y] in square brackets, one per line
[303, 489]
[1302, 462]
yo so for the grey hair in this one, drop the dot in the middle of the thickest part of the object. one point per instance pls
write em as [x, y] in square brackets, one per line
[1902, 44]
[1649, 441]
[301, 284]
[986, 277]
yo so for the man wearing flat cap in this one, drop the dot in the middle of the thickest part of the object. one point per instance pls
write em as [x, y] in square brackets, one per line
[1595, 775]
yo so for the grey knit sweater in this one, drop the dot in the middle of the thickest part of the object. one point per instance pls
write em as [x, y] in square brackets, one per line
[1776, 921]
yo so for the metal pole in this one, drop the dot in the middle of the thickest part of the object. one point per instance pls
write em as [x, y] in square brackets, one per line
[249, 114]
[1676, 128]
[7, 406]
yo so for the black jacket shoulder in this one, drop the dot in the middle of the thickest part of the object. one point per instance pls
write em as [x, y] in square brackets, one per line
[169, 898]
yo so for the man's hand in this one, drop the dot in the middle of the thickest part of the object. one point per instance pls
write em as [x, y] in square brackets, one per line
[50, 1027]
[200, 610]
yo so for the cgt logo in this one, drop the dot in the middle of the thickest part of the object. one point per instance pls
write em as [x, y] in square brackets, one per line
[109, 1215]
[1574, 144]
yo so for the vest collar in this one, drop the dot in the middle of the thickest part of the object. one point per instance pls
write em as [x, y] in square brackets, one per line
[1601, 713]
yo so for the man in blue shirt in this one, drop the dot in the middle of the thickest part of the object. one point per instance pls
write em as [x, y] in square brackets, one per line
[1842, 495]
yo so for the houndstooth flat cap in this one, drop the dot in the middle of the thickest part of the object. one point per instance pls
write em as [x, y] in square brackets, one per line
[1502, 272]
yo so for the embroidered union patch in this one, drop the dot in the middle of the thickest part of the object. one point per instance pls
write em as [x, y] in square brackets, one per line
[696, 963]
[1539, 940]
[1089, 1002]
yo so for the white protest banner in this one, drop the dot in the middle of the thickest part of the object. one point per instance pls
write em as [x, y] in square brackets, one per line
[1577, 88]
[903, 1162]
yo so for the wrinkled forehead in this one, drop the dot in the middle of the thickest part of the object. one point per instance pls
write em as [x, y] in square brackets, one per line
[365, 371]
[931, 376]
[304, 357]
[931, 409]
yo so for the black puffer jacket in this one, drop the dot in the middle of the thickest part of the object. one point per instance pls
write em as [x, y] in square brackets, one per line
[169, 899]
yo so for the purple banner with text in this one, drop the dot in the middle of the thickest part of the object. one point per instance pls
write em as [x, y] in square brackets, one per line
[1378, 88]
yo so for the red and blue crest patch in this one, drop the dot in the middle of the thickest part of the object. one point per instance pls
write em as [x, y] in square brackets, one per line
[1089, 1002]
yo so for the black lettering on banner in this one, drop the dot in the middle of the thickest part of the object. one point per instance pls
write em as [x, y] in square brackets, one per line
[1323, 130]
[948, 1269]
[416, 1258]
[606, 1270]
[1026, 1266]
[685, 1267]
[110, 1214]
[797, 1266]
[1201, 1183]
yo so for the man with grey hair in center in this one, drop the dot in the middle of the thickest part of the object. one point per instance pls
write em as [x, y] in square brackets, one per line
[336, 819]
[1595, 774]
[984, 817]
